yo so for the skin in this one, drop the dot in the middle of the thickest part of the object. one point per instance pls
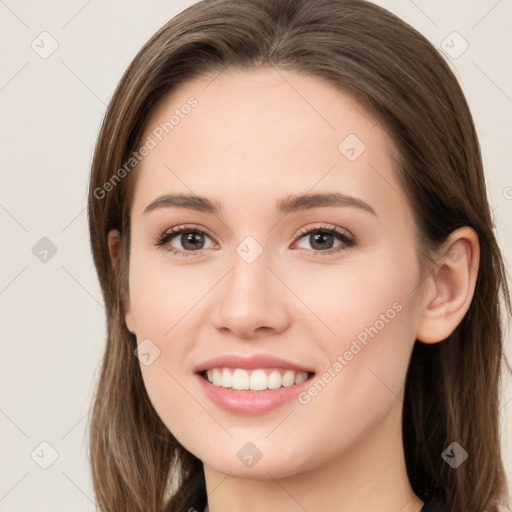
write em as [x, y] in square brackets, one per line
[252, 140]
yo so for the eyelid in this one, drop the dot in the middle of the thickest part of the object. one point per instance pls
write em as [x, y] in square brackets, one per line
[324, 227]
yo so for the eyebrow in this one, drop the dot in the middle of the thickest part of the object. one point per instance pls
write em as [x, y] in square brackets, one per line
[288, 204]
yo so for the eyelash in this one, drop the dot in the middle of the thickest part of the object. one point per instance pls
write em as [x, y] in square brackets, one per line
[343, 236]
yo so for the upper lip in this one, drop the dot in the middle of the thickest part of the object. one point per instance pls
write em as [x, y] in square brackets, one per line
[250, 362]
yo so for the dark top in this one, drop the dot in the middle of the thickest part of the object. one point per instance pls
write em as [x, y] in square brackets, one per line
[434, 505]
[430, 505]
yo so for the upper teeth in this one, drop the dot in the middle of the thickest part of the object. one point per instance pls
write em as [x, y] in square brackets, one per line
[256, 380]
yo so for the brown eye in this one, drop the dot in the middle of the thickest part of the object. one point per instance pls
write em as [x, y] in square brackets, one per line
[322, 239]
[191, 241]
[183, 240]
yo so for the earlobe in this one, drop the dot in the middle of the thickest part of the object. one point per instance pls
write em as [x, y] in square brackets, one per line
[114, 242]
[451, 286]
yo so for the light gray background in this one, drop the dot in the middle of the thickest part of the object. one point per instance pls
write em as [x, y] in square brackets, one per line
[51, 313]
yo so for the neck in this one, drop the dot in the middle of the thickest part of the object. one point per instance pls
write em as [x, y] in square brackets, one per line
[369, 475]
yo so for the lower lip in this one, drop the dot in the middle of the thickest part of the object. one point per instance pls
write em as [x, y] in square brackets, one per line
[251, 402]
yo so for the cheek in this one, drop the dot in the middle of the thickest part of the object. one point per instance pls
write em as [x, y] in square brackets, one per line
[161, 298]
[369, 310]
[367, 290]
[162, 303]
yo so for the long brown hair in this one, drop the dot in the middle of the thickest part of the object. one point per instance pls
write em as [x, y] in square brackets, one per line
[452, 388]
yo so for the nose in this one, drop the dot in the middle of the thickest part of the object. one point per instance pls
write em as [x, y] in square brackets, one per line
[251, 300]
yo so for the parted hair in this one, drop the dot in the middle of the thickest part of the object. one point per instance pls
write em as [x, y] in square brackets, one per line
[452, 388]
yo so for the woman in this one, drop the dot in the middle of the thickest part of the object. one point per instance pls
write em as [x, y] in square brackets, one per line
[289, 220]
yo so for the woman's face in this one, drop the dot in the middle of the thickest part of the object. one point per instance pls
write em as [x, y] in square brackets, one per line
[262, 277]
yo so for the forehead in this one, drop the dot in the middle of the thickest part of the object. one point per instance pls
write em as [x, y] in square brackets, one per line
[260, 133]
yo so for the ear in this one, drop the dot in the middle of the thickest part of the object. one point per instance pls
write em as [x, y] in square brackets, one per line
[114, 243]
[450, 286]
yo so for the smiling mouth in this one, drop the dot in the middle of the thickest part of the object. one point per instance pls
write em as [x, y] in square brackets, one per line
[257, 379]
